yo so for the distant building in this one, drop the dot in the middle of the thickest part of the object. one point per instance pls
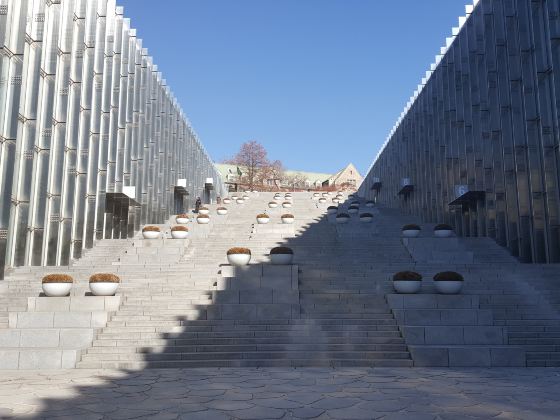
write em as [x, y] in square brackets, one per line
[349, 177]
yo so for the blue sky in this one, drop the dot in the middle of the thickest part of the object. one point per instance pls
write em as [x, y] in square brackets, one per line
[318, 82]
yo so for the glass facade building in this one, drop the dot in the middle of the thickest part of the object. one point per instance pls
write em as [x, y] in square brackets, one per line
[92, 141]
[477, 146]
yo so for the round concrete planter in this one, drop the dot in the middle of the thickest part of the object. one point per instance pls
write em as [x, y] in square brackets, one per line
[222, 212]
[57, 289]
[288, 220]
[342, 220]
[448, 287]
[316, 194]
[443, 233]
[272, 205]
[366, 219]
[103, 288]
[353, 210]
[245, 197]
[239, 201]
[407, 286]
[150, 234]
[322, 200]
[182, 220]
[226, 201]
[202, 220]
[263, 220]
[204, 211]
[281, 259]
[336, 200]
[369, 204]
[286, 205]
[179, 234]
[333, 210]
[288, 198]
[410, 233]
[277, 198]
[239, 259]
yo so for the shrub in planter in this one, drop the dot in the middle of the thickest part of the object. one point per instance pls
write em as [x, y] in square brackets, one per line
[234, 197]
[332, 210]
[287, 218]
[239, 256]
[183, 218]
[221, 211]
[151, 232]
[203, 219]
[105, 284]
[226, 200]
[281, 255]
[366, 217]
[57, 285]
[448, 282]
[342, 218]
[443, 231]
[179, 232]
[286, 204]
[262, 218]
[410, 231]
[245, 197]
[316, 194]
[277, 197]
[353, 209]
[240, 201]
[288, 198]
[272, 204]
[322, 200]
[370, 203]
[407, 282]
[203, 210]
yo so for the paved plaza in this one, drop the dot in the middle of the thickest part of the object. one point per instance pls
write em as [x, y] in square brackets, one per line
[385, 393]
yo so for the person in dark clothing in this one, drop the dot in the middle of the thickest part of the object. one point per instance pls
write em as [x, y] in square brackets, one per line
[197, 204]
[219, 200]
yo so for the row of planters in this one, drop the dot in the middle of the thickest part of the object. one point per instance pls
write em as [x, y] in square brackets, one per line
[288, 197]
[446, 282]
[60, 285]
[345, 217]
[274, 204]
[280, 255]
[440, 231]
[154, 232]
[263, 218]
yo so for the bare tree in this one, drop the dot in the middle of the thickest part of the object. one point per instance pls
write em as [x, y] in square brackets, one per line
[252, 158]
[273, 173]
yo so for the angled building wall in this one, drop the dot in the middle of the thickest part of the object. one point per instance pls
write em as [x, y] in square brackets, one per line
[92, 141]
[478, 144]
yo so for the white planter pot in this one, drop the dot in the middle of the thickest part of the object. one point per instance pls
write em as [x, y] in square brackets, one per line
[448, 287]
[342, 220]
[286, 205]
[287, 220]
[179, 234]
[278, 198]
[239, 201]
[288, 198]
[57, 289]
[407, 286]
[272, 205]
[245, 197]
[366, 219]
[221, 212]
[226, 201]
[369, 204]
[281, 259]
[204, 211]
[151, 234]
[263, 220]
[322, 200]
[410, 233]
[234, 197]
[203, 221]
[336, 201]
[443, 233]
[239, 259]
[182, 220]
[316, 194]
[103, 288]
[332, 211]
[353, 211]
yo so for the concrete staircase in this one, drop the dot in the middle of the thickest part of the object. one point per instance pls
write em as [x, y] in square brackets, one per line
[174, 311]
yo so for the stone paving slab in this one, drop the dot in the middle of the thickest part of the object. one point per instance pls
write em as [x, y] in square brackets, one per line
[308, 393]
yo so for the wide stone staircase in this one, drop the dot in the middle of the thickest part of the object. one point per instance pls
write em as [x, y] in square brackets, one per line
[176, 306]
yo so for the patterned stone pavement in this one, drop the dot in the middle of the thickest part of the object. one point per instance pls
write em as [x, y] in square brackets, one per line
[386, 393]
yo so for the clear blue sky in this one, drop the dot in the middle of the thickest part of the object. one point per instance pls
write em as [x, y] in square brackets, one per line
[318, 82]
